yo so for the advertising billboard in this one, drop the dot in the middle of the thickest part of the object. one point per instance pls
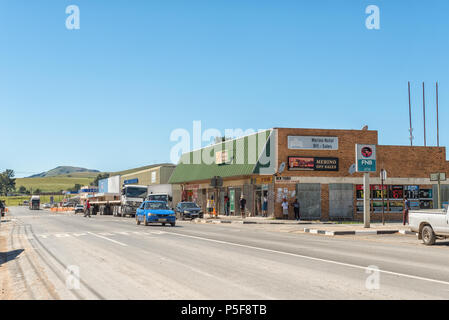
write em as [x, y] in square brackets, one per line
[312, 163]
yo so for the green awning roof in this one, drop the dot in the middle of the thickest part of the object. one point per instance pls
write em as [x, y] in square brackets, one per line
[243, 159]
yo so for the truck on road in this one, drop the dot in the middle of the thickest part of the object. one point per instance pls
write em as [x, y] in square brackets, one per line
[35, 203]
[430, 224]
[161, 192]
[116, 200]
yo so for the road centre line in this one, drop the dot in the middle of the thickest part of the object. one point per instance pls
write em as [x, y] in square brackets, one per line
[313, 258]
[120, 243]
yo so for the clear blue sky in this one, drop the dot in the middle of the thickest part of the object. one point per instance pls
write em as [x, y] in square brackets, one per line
[107, 96]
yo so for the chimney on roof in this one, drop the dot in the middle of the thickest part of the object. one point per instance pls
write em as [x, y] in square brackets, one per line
[365, 128]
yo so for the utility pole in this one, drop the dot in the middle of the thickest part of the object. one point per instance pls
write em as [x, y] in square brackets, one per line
[439, 191]
[424, 112]
[366, 200]
[438, 122]
[410, 115]
[383, 175]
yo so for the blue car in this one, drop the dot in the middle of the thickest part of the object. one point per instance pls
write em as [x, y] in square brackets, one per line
[155, 212]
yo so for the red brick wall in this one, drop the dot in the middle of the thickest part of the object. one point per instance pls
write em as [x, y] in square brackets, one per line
[411, 162]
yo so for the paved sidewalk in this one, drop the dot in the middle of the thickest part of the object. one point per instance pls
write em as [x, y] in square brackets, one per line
[351, 229]
[254, 220]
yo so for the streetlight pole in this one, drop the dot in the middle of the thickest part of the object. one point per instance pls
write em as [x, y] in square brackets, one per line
[382, 177]
[439, 190]
[366, 200]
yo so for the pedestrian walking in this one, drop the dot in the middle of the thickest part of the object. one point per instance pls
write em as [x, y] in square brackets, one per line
[227, 204]
[87, 209]
[242, 205]
[405, 212]
[296, 208]
[285, 208]
[264, 206]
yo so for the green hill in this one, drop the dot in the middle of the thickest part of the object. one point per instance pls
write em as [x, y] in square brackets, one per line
[63, 170]
[52, 184]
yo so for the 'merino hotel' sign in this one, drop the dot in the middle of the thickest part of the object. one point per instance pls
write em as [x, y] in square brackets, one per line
[312, 143]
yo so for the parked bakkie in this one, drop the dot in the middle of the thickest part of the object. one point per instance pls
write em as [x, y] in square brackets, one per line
[430, 224]
[155, 212]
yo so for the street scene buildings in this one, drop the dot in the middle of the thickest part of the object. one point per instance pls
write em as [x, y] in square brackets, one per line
[314, 167]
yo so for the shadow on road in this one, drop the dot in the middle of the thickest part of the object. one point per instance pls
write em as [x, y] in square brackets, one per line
[9, 255]
[442, 243]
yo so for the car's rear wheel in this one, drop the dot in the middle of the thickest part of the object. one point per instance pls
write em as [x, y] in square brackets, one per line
[428, 236]
[163, 223]
[137, 220]
[145, 220]
[173, 224]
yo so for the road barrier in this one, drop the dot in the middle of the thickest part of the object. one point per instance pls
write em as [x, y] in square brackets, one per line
[62, 209]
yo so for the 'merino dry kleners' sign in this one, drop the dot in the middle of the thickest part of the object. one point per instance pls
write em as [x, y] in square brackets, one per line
[312, 143]
[312, 164]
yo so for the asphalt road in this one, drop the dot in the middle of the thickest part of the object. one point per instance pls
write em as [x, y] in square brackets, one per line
[116, 259]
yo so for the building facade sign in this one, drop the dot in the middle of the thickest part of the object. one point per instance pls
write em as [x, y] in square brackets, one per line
[131, 181]
[262, 180]
[312, 164]
[221, 157]
[312, 143]
[365, 155]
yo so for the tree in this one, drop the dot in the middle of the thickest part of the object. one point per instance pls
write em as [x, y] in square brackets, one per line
[7, 182]
[37, 191]
[99, 177]
[22, 189]
[75, 188]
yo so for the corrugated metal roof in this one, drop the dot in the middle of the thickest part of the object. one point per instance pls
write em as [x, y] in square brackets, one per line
[243, 154]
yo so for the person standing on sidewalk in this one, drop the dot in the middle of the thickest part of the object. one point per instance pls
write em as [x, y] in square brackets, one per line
[285, 208]
[242, 205]
[405, 212]
[87, 209]
[264, 206]
[226, 205]
[296, 209]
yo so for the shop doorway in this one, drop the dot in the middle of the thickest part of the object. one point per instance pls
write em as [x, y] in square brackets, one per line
[341, 201]
[309, 197]
[259, 194]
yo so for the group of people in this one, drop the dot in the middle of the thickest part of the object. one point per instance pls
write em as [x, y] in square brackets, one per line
[296, 209]
[242, 205]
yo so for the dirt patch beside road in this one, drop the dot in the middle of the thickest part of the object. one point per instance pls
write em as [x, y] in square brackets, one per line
[6, 292]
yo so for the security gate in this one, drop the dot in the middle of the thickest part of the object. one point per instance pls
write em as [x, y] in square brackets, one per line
[444, 195]
[341, 201]
[309, 197]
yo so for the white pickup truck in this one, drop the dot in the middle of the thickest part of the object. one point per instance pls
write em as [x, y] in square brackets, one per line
[430, 224]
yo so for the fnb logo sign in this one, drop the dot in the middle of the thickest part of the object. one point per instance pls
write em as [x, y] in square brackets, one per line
[367, 152]
[366, 162]
[365, 157]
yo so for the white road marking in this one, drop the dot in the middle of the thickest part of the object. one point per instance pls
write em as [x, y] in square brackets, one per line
[79, 234]
[313, 258]
[62, 235]
[96, 235]
[123, 232]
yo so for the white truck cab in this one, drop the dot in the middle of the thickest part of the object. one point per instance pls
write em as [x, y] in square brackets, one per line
[430, 224]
